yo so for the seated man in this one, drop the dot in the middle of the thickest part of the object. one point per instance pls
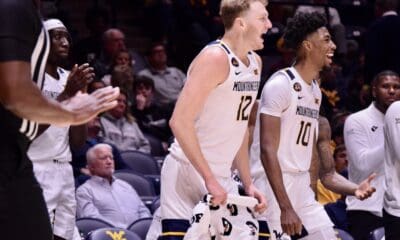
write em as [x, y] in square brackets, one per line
[105, 197]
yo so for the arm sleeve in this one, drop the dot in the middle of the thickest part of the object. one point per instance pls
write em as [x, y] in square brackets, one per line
[366, 158]
[142, 210]
[84, 204]
[276, 96]
[19, 29]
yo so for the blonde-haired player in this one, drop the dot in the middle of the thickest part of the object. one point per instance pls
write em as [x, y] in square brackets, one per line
[210, 118]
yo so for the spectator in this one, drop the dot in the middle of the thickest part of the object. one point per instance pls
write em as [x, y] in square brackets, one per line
[122, 58]
[105, 197]
[94, 85]
[93, 138]
[152, 118]
[168, 81]
[382, 48]
[118, 127]
[113, 41]
[363, 136]
[122, 77]
[51, 165]
[340, 157]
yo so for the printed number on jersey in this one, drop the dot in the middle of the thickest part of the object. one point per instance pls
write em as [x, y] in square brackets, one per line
[244, 108]
[303, 137]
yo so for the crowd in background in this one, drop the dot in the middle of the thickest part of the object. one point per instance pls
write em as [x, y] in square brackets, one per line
[151, 79]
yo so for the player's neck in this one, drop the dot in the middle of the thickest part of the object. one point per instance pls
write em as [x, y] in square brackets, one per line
[51, 69]
[236, 44]
[307, 71]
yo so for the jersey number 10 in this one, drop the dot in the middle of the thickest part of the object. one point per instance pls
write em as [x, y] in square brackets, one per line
[304, 133]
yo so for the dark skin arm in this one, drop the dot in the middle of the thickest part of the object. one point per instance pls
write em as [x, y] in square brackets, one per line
[16, 85]
[20, 95]
[77, 81]
[269, 141]
[314, 169]
[329, 177]
[252, 121]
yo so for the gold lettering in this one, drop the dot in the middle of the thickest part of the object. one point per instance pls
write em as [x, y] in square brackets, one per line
[116, 235]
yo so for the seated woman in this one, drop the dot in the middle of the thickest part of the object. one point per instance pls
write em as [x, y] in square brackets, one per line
[118, 127]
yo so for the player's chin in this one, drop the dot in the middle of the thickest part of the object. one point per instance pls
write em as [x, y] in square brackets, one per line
[258, 46]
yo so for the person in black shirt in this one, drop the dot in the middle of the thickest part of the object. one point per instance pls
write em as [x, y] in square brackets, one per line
[24, 47]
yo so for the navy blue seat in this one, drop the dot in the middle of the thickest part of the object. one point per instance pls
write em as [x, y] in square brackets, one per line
[141, 227]
[86, 225]
[112, 233]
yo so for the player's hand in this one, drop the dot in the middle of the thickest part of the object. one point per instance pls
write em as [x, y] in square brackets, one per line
[85, 107]
[291, 223]
[78, 79]
[218, 194]
[365, 190]
[262, 202]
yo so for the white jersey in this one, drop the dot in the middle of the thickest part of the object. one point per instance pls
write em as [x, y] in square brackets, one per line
[363, 137]
[221, 125]
[391, 201]
[55, 140]
[287, 96]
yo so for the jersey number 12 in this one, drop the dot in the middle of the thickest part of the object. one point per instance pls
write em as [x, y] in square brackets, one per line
[245, 102]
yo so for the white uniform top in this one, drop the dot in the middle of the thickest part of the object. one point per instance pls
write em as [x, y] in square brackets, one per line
[363, 136]
[391, 201]
[54, 142]
[221, 124]
[288, 96]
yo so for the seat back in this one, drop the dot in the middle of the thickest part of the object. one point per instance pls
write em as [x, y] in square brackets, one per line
[112, 234]
[140, 162]
[155, 204]
[141, 184]
[86, 225]
[157, 148]
[377, 234]
[343, 235]
[141, 227]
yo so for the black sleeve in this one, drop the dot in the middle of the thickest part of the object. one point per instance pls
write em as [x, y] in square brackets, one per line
[19, 29]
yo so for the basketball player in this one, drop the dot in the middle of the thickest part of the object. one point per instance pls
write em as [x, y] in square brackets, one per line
[391, 200]
[24, 47]
[210, 118]
[289, 111]
[51, 165]
[364, 140]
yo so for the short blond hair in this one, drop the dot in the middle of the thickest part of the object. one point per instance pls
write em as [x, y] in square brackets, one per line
[231, 9]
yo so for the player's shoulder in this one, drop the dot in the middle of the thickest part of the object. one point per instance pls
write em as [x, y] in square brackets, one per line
[394, 108]
[211, 58]
[280, 78]
[214, 52]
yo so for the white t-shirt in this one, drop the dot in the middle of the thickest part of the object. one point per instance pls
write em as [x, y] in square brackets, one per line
[391, 201]
[287, 96]
[54, 142]
[363, 137]
[221, 125]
